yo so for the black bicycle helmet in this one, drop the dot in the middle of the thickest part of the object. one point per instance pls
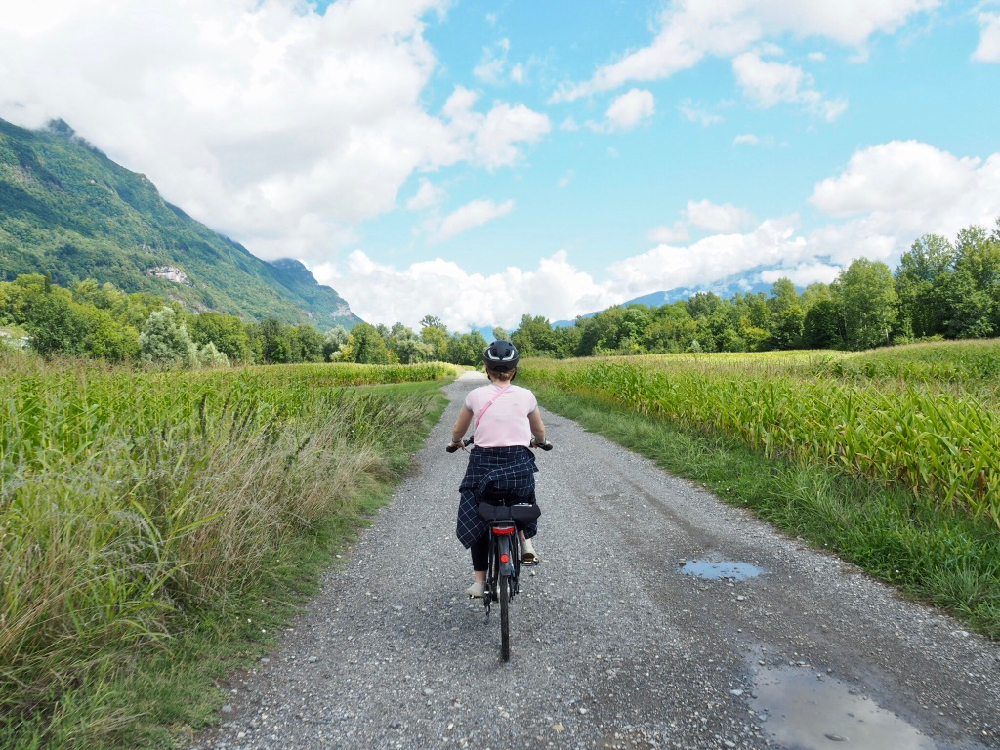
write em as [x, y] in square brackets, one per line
[501, 356]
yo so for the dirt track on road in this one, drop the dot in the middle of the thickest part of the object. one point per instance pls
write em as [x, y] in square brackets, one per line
[614, 642]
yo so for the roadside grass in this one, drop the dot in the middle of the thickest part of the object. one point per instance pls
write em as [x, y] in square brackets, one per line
[932, 554]
[182, 687]
[139, 566]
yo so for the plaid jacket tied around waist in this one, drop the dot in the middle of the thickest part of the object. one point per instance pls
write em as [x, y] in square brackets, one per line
[508, 469]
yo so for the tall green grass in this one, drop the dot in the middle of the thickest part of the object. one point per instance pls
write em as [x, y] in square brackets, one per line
[930, 552]
[924, 419]
[130, 500]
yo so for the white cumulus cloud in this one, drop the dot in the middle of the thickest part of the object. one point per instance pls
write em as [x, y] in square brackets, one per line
[471, 215]
[492, 139]
[718, 256]
[906, 176]
[767, 83]
[427, 196]
[262, 118]
[630, 109]
[989, 38]
[892, 193]
[886, 197]
[691, 30]
[726, 218]
[695, 113]
[387, 294]
[665, 235]
[804, 274]
[494, 60]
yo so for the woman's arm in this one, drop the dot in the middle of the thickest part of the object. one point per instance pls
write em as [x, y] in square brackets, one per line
[461, 425]
[537, 428]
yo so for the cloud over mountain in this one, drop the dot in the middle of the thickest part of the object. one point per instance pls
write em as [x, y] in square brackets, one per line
[267, 120]
[884, 198]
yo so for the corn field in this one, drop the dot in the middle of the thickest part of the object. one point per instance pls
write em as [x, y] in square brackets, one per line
[127, 498]
[924, 417]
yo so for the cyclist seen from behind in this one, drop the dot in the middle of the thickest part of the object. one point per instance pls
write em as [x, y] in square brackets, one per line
[506, 423]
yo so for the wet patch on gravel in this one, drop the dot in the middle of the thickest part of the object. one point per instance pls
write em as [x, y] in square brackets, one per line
[714, 571]
[814, 711]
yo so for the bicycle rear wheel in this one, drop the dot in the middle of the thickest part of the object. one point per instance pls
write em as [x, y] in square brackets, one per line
[504, 584]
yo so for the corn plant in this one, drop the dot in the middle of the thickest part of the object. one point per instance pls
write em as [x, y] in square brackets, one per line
[127, 497]
[913, 418]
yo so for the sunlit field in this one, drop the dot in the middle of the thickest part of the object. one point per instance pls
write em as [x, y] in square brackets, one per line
[130, 499]
[923, 417]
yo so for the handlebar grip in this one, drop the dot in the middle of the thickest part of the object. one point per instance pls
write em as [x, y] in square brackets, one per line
[465, 443]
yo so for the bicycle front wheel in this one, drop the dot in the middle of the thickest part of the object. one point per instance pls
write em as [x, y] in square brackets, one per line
[504, 584]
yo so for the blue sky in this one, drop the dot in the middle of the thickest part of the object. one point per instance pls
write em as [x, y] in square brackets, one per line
[478, 161]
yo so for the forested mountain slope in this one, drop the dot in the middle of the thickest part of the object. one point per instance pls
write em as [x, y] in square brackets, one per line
[69, 211]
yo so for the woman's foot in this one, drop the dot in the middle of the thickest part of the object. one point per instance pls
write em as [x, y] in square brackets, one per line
[475, 591]
[528, 554]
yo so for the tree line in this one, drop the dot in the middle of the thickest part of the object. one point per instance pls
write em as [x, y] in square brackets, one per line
[939, 289]
[89, 319]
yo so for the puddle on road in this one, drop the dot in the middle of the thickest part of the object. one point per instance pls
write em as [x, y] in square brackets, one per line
[715, 570]
[807, 713]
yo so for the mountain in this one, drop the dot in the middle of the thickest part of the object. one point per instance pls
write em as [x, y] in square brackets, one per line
[69, 211]
[725, 288]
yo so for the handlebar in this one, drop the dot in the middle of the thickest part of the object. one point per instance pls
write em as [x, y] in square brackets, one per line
[468, 441]
[547, 446]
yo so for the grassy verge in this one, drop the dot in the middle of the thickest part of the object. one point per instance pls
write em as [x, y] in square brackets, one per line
[154, 534]
[933, 554]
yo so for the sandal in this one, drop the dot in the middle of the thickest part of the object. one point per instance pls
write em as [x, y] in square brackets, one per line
[528, 554]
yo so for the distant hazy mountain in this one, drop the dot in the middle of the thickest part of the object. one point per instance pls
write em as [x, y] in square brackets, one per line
[68, 210]
[724, 288]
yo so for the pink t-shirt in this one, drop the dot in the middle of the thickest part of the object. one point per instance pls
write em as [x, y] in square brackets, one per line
[506, 421]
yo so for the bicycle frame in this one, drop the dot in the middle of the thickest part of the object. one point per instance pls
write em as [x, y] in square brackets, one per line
[503, 575]
[504, 559]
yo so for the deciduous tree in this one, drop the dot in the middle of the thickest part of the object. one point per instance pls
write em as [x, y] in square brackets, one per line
[165, 341]
[920, 279]
[366, 346]
[868, 293]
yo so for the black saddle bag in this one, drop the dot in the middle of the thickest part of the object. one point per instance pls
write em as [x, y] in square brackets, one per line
[501, 507]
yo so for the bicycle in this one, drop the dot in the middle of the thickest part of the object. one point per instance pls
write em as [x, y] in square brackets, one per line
[502, 511]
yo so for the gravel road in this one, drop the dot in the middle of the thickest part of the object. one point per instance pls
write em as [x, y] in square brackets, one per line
[614, 643]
